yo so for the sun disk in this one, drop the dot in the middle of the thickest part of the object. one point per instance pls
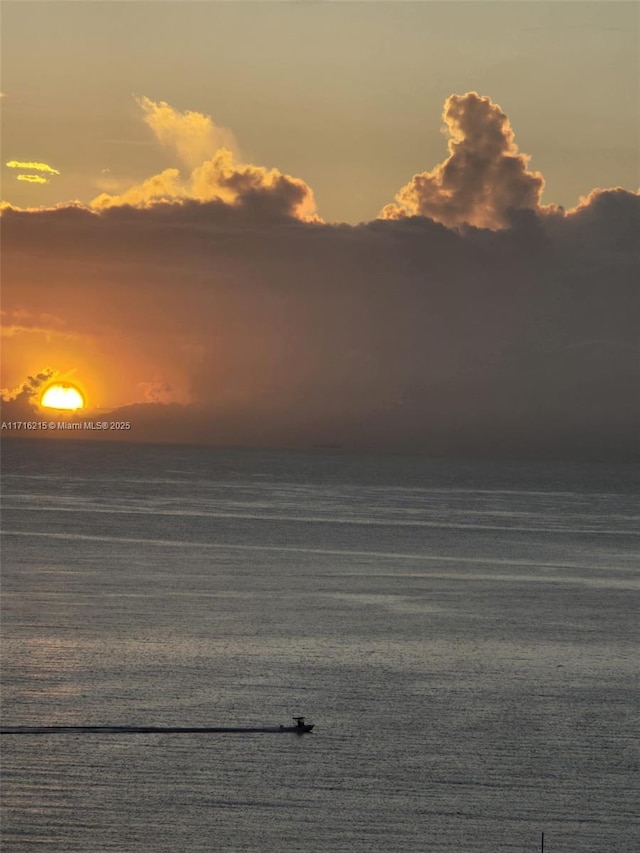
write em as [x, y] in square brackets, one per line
[62, 396]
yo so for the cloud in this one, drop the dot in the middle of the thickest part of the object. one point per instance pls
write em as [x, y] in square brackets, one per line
[162, 187]
[607, 218]
[191, 135]
[483, 179]
[33, 179]
[215, 172]
[252, 187]
[395, 334]
[156, 392]
[36, 167]
[29, 388]
[223, 312]
[42, 324]
[19, 404]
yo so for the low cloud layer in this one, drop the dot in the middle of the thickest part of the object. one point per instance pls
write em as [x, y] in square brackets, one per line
[219, 315]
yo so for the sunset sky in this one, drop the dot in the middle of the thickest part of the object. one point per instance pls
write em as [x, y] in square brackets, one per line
[377, 224]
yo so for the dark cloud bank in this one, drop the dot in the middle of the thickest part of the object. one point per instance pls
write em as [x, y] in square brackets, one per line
[395, 334]
[484, 324]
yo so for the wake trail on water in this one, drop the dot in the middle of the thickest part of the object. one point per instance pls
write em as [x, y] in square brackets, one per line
[143, 730]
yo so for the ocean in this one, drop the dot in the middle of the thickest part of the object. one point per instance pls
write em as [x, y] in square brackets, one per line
[464, 635]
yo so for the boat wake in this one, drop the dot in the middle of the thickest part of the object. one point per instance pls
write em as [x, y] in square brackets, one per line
[299, 728]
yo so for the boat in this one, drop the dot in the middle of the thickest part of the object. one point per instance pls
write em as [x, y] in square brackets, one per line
[300, 727]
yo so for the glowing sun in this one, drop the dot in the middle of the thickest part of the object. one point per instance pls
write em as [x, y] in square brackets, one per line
[62, 396]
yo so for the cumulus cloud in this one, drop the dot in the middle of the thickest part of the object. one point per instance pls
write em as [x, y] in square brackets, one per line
[36, 167]
[607, 218]
[215, 173]
[165, 186]
[469, 319]
[483, 179]
[251, 187]
[254, 189]
[33, 179]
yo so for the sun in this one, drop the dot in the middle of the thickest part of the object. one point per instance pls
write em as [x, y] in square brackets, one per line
[62, 395]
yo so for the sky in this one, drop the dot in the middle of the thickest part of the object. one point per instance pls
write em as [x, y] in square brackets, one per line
[384, 225]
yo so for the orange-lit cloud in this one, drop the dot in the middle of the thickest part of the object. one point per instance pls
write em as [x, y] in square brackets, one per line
[215, 173]
[33, 179]
[483, 179]
[165, 186]
[198, 306]
[191, 135]
[35, 167]
[252, 187]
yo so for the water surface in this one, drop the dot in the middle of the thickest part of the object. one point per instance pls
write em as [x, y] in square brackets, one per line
[463, 634]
